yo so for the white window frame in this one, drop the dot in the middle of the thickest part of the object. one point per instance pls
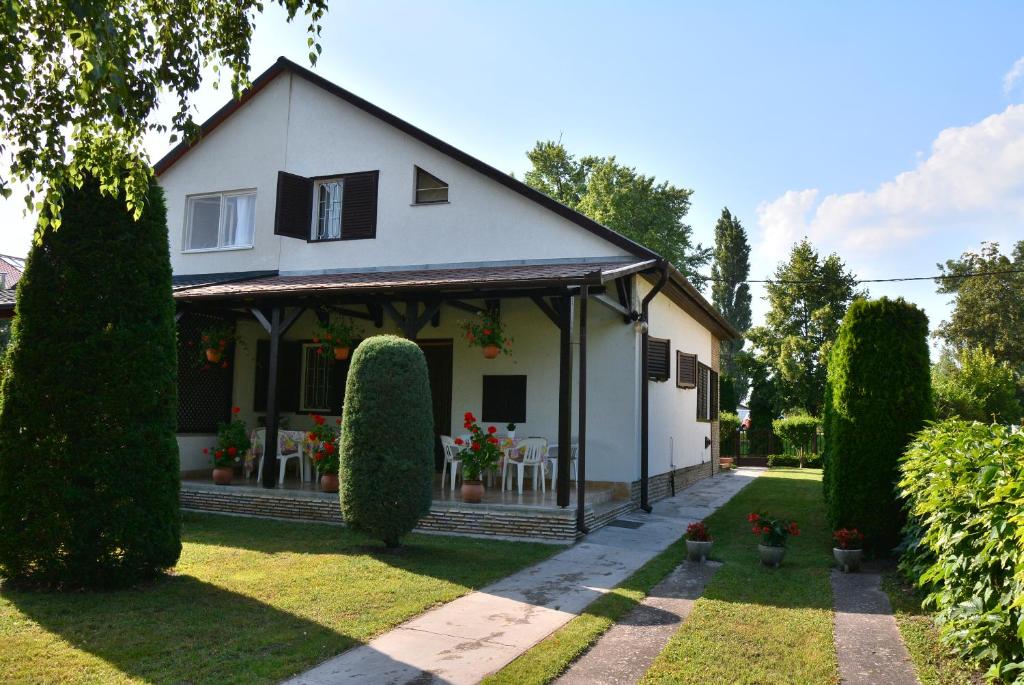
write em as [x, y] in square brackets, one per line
[314, 229]
[223, 196]
[310, 349]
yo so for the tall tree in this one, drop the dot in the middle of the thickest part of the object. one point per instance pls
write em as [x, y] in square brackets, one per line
[622, 199]
[971, 384]
[730, 292]
[79, 82]
[88, 457]
[988, 311]
[808, 297]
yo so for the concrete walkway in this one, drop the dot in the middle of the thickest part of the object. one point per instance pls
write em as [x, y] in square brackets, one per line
[627, 650]
[868, 642]
[479, 633]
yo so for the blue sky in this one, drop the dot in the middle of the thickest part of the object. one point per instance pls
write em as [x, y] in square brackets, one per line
[890, 133]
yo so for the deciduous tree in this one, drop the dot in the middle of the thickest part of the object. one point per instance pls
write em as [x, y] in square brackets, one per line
[973, 385]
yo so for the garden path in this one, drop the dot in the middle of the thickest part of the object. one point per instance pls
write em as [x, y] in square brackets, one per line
[479, 633]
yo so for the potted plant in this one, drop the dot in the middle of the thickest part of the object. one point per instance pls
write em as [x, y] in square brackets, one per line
[323, 441]
[486, 331]
[232, 444]
[698, 542]
[335, 338]
[774, 533]
[213, 345]
[849, 549]
[483, 452]
[511, 431]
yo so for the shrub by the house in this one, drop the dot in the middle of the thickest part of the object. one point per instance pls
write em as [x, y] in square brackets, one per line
[964, 486]
[878, 396]
[88, 457]
[387, 439]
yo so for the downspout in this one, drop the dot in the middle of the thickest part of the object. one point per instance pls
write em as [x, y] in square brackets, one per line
[644, 386]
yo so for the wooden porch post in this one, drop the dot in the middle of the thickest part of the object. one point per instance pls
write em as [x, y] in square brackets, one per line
[564, 396]
[581, 466]
[270, 448]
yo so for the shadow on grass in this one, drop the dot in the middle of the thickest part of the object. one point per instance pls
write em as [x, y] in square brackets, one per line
[178, 629]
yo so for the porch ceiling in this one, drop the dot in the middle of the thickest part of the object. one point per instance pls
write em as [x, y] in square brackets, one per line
[385, 282]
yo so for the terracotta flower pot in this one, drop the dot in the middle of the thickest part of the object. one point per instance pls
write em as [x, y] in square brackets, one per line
[472, 491]
[771, 556]
[213, 355]
[491, 351]
[341, 353]
[698, 550]
[329, 482]
[848, 559]
[222, 475]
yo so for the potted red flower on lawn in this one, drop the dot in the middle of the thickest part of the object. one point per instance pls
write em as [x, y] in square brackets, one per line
[483, 452]
[774, 534]
[849, 549]
[698, 542]
[323, 441]
[232, 444]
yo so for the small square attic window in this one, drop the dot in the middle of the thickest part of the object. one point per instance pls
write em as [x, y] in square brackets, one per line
[429, 188]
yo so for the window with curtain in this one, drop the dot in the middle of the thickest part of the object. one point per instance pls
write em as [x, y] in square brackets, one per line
[219, 221]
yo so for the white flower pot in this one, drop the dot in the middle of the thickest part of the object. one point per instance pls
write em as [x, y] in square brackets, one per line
[511, 435]
[771, 556]
[697, 550]
[848, 559]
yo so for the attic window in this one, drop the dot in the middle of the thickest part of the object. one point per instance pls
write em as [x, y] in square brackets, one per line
[429, 188]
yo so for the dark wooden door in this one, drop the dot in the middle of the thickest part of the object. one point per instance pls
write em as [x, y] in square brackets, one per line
[439, 368]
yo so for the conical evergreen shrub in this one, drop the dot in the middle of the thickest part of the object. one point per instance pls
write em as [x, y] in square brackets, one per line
[387, 439]
[88, 458]
[878, 396]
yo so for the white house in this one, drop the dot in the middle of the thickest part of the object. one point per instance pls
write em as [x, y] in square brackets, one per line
[301, 200]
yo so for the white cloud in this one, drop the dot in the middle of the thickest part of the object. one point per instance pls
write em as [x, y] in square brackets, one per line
[1015, 73]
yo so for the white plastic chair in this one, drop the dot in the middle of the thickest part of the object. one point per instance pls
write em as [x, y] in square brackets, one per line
[553, 463]
[451, 457]
[290, 445]
[532, 453]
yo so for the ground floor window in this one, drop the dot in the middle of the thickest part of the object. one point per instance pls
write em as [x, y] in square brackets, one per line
[316, 379]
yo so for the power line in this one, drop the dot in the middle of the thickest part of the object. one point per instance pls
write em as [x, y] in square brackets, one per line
[974, 274]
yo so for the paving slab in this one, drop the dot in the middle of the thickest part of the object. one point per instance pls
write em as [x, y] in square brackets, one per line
[627, 650]
[479, 633]
[868, 642]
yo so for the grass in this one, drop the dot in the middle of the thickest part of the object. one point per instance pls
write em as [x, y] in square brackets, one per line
[756, 624]
[934, 663]
[546, 660]
[250, 601]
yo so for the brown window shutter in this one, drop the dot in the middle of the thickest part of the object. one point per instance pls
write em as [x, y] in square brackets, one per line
[658, 351]
[703, 383]
[293, 216]
[359, 206]
[713, 375]
[686, 370]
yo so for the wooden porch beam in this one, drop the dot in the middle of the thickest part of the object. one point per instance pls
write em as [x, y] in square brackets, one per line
[611, 304]
[462, 306]
[270, 447]
[564, 397]
[581, 455]
[547, 309]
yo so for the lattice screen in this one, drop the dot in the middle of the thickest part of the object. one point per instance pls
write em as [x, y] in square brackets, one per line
[204, 395]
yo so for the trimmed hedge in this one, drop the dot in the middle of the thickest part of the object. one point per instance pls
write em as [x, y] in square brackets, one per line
[964, 485]
[89, 468]
[878, 395]
[387, 439]
[810, 459]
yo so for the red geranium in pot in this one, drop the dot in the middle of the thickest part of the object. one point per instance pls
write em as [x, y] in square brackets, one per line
[486, 331]
[232, 444]
[323, 441]
[483, 452]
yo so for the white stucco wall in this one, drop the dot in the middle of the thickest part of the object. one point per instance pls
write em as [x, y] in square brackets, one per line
[295, 126]
[676, 438]
[611, 412]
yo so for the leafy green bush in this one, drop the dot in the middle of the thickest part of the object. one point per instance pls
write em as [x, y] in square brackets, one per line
[878, 395]
[964, 486]
[728, 430]
[809, 459]
[89, 469]
[799, 431]
[387, 439]
[974, 386]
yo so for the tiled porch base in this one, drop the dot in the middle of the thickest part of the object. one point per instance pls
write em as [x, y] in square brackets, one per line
[519, 521]
[660, 486]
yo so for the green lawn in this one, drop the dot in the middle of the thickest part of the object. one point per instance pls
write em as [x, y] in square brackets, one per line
[250, 601]
[755, 624]
[934, 663]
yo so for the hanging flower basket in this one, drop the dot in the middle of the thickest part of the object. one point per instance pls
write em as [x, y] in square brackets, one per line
[214, 344]
[487, 332]
[335, 339]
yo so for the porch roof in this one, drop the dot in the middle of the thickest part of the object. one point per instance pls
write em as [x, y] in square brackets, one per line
[487, 277]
